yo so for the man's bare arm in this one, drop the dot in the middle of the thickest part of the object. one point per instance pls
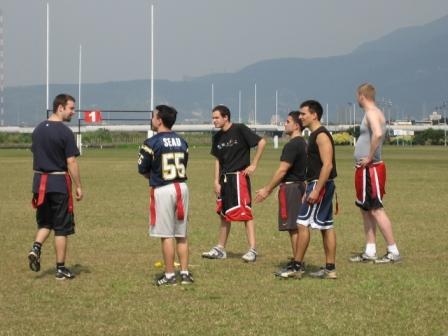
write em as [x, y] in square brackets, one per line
[73, 169]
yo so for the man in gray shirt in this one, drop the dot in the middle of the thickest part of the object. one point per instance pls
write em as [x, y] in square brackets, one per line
[370, 179]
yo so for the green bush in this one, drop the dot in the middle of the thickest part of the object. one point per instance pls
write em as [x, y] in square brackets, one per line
[430, 137]
[343, 138]
[15, 138]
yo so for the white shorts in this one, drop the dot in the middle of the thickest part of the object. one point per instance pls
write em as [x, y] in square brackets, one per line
[166, 223]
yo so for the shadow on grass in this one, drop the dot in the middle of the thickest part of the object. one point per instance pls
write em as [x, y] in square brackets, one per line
[233, 255]
[77, 269]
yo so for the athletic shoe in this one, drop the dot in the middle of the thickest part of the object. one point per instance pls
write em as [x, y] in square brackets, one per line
[250, 255]
[323, 273]
[362, 257]
[389, 257]
[63, 273]
[291, 271]
[34, 259]
[288, 266]
[164, 281]
[186, 279]
[215, 253]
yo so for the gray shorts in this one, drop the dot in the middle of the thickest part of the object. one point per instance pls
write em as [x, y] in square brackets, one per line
[167, 225]
[289, 204]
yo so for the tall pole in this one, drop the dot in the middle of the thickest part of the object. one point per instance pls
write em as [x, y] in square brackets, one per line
[276, 107]
[354, 124]
[255, 104]
[445, 106]
[79, 81]
[213, 95]
[152, 57]
[445, 124]
[48, 56]
[2, 72]
[327, 115]
[239, 106]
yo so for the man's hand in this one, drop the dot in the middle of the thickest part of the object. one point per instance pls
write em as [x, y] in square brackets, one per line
[78, 194]
[364, 162]
[249, 170]
[261, 195]
[217, 188]
[313, 197]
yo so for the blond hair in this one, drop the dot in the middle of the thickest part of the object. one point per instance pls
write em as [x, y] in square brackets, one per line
[367, 90]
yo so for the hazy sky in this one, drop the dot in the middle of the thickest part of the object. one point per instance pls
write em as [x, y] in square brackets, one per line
[192, 37]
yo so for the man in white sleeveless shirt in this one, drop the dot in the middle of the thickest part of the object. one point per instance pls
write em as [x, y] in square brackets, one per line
[370, 179]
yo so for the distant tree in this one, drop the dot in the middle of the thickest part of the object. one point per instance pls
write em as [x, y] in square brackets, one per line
[429, 136]
[354, 131]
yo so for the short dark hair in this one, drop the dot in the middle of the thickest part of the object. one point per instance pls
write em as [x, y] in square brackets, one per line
[167, 114]
[223, 110]
[295, 117]
[61, 99]
[314, 106]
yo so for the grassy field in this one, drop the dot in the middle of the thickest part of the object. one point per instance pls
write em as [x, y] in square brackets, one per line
[114, 258]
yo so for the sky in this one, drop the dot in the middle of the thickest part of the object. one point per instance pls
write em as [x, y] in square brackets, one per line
[192, 37]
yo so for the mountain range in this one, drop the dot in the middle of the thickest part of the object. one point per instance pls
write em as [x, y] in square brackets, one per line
[409, 67]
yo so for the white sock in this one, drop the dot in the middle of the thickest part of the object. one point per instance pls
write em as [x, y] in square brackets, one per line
[184, 272]
[370, 250]
[393, 249]
[169, 275]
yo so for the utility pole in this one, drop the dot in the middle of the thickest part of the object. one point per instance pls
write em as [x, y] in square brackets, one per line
[239, 106]
[255, 103]
[2, 73]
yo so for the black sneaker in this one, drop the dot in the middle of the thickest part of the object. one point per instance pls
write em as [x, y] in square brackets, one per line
[34, 259]
[293, 270]
[63, 273]
[164, 281]
[288, 266]
[186, 279]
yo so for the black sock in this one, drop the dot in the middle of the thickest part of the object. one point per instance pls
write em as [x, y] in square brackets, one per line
[330, 267]
[37, 246]
[298, 264]
[60, 265]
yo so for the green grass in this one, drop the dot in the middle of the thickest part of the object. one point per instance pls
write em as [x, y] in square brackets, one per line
[113, 258]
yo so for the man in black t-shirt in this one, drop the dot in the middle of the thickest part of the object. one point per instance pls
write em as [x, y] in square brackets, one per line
[290, 175]
[231, 149]
[55, 166]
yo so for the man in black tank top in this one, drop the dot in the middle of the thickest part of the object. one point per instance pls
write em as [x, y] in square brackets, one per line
[317, 210]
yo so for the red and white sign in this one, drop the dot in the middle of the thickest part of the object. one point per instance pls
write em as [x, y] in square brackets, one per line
[92, 117]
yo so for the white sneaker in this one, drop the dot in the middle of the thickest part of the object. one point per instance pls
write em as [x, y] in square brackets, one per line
[215, 253]
[363, 258]
[250, 255]
[389, 257]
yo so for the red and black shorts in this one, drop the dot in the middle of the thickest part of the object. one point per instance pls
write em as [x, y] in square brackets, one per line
[234, 203]
[370, 185]
[54, 214]
[289, 201]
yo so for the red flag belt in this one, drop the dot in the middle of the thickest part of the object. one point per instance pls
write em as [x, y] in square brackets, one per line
[37, 202]
[179, 203]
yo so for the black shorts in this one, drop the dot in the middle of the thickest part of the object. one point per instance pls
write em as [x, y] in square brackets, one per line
[290, 200]
[235, 199]
[53, 214]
